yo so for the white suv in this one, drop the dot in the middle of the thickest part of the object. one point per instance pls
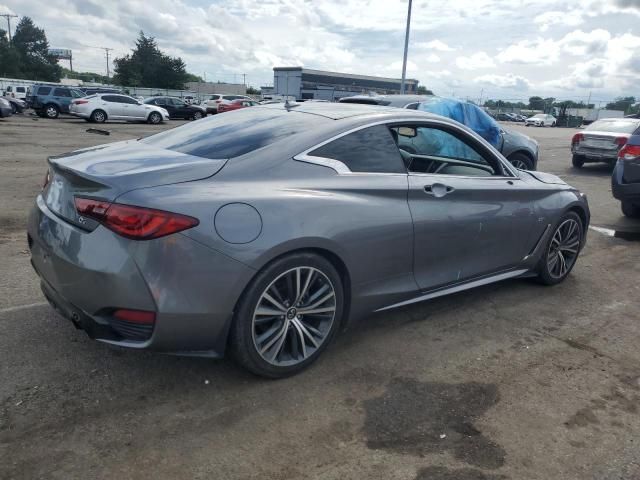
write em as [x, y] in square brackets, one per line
[17, 91]
[212, 102]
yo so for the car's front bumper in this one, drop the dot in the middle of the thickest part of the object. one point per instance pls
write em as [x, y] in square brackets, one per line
[5, 112]
[88, 275]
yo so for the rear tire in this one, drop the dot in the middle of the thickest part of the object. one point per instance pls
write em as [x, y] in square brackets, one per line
[630, 210]
[51, 111]
[98, 116]
[196, 116]
[577, 161]
[521, 161]
[275, 354]
[154, 118]
[561, 250]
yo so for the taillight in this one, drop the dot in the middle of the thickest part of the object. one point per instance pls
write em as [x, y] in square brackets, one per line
[577, 138]
[629, 152]
[621, 141]
[135, 316]
[137, 223]
[80, 102]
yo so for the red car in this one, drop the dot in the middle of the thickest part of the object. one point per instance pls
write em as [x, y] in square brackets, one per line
[235, 105]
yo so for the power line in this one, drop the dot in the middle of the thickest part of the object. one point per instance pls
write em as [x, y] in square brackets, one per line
[9, 16]
[106, 52]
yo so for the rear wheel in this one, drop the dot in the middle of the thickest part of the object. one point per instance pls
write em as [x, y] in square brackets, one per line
[287, 316]
[197, 115]
[51, 111]
[521, 161]
[562, 250]
[154, 118]
[98, 116]
[630, 210]
[577, 161]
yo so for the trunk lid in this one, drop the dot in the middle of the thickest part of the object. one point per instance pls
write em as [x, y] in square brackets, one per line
[107, 171]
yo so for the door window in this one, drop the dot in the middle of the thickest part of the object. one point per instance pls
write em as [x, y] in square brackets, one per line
[370, 150]
[20, 89]
[61, 92]
[111, 98]
[433, 150]
[44, 90]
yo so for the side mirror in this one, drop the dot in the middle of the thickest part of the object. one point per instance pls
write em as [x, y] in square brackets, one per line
[407, 132]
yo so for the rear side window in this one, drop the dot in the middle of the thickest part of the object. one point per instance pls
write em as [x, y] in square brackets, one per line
[20, 89]
[44, 90]
[111, 98]
[61, 92]
[370, 150]
[235, 133]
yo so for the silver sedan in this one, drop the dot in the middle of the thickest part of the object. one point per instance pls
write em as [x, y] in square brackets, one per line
[267, 230]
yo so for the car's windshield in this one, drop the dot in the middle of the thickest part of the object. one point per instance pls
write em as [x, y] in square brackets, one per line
[615, 126]
[540, 115]
[235, 134]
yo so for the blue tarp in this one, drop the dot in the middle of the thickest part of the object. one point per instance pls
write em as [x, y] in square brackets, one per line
[466, 113]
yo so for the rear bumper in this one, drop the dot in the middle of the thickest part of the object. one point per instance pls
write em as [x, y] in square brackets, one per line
[595, 154]
[87, 275]
[79, 114]
[620, 189]
[5, 112]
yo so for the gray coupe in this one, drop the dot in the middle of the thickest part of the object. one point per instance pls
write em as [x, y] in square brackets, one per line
[266, 230]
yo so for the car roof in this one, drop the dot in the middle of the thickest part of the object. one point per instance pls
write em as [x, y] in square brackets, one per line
[337, 111]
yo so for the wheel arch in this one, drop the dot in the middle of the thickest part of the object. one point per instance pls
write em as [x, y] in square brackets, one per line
[524, 152]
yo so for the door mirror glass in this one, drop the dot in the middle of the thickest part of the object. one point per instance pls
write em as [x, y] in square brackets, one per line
[408, 132]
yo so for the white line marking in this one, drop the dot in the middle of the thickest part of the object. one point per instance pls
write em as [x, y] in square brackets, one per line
[22, 307]
[605, 231]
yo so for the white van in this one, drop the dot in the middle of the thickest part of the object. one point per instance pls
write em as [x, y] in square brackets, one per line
[17, 91]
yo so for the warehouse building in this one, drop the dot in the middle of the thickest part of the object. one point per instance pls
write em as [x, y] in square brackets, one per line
[306, 84]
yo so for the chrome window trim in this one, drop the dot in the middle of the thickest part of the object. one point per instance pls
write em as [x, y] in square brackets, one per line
[342, 169]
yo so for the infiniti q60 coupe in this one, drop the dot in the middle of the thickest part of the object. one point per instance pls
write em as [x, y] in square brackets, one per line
[266, 230]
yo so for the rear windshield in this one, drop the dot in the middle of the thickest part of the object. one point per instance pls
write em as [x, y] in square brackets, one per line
[235, 133]
[365, 101]
[614, 125]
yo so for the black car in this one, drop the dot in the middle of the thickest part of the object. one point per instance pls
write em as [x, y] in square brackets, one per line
[625, 181]
[177, 108]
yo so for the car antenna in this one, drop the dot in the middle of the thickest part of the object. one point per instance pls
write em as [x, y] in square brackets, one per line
[288, 104]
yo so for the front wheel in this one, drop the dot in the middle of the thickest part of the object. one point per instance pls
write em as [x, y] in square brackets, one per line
[521, 161]
[154, 118]
[197, 115]
[287, 316]
[562, 250]
[98, 116]
[630, 210]
[51, 111]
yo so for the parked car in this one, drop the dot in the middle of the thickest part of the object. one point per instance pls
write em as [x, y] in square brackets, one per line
[152, 244]
[519, 149]
[51, 100]
[5, 108]
[177, 108]
[399, 101]
[625, 181]
[102, 107]
[541, 120]
[602, 140]
[17, 105]
[189, 99]
[213, 101]
[93, 90]
[236, 105]
[17, 91]
[503, 117]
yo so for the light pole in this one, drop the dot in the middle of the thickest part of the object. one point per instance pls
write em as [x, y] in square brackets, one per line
[406, 49]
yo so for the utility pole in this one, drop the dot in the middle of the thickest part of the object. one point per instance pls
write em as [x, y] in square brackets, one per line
[244, 79]
[9, 16]
[106, 52]
[406, 49]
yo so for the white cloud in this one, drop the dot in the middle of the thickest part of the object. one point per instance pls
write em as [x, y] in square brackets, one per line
[435, 45]
[530, 52]
[509, 81]
[476, 61]
[586, 43]
[549, 19]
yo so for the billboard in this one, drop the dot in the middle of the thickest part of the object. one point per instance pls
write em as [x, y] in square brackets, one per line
[60, 53]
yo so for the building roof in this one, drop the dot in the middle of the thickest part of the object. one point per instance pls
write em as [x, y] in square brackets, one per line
[341, 75]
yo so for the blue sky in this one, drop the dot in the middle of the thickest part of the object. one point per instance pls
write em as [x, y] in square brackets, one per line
[498, 48]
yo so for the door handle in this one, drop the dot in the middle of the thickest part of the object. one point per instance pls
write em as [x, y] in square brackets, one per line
[438, 190]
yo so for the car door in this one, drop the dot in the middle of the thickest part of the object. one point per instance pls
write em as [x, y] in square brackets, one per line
[182, 109]
[113, 106]
[131, 108]
[472, 216]
[62, 98]
[165, 102]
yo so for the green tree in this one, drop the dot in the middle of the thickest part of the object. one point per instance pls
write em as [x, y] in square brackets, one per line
[621, 103]
[536, 103]
[32, 48]
[422, 90]
[147, 66]
[9, 59]
[253, 91]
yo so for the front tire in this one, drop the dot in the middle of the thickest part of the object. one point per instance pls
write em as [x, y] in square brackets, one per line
[154, 118]
[197, 115]
[98, 116]
[287, 316]
[521, 161]
[51, 111]
[561, 250]
[630, 210]
[577, 161]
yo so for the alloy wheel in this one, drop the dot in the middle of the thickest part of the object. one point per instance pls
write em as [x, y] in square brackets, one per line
[563, 249]
[294, 316]
[519, 164]
[52, 112]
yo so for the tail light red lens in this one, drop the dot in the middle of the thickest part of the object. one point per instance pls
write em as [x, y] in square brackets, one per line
[629, 152]
[80, 102]
[577, 138]
[135, 316]
[137, 223]
[621, 141]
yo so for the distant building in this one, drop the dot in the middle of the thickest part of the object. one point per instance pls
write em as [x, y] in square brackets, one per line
[306, 84]
[206, 88]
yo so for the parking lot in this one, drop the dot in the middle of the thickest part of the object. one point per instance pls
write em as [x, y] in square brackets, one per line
[509, 381]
